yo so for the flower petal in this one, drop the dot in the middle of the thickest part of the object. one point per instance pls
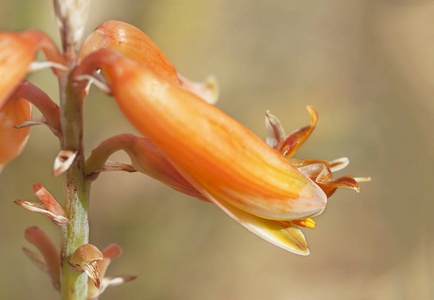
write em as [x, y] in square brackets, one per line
[288, 237]
[148, 159]
[223, 156]
[135, 44]
[320, 173]
[12, 141]
[298, 137]
[17, 51]
[275, 131]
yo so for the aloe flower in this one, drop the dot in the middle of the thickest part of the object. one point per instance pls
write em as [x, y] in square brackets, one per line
[218, 159]
[17, 52]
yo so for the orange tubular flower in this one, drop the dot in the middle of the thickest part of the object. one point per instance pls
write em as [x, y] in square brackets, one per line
[224, 161]
[262, 187]
[17, 52]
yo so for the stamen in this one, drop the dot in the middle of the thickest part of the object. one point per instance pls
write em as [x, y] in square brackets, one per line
[30, 123]
[309, 223]
[362, 179]
[93, 80]
[117, 280]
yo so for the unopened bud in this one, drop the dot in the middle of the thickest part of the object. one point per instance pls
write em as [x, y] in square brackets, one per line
[85, 259]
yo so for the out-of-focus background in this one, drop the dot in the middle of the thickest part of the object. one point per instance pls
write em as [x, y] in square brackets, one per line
[367, 66]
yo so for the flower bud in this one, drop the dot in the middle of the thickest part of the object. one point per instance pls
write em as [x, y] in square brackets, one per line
[85, 259]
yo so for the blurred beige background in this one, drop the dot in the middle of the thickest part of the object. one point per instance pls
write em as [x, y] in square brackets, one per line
[367, 66]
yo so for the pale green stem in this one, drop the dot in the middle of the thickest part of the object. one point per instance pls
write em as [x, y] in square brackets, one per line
[71, 17]
[76, 191]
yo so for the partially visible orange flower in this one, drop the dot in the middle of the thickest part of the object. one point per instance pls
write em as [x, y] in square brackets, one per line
[13, 140]
[17, 52]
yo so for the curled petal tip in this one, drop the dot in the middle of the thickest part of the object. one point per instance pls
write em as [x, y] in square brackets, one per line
[275, 131]
[338, 164]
